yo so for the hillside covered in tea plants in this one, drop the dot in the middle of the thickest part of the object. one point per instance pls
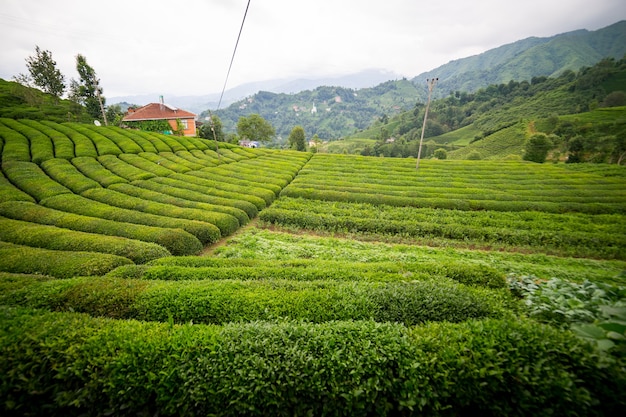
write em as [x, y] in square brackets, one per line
[150, 274]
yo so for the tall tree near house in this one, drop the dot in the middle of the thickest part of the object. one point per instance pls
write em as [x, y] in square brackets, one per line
[297, 139]
[87, 90]
[254, 127]
[43, 74]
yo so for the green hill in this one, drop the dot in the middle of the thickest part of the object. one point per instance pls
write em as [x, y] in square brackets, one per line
[337, 112]
[20, 102]
[496, 121]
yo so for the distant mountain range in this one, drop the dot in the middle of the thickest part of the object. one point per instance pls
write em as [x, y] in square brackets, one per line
[336, 112]
[198, 104]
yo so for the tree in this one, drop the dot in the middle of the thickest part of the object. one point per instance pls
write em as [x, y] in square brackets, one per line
[43, 73]
[440, 153]
[115, 114]
[254, 127]
[537, 148]
[212, 129]
[297, 139]
[87, 90]
[576, 147]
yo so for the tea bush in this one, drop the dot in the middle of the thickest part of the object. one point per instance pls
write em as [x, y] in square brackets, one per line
[72, 203]
[51, 237]
[223, 224]
[71, 364]
[56, 263]
[219, 302]
[176, 241]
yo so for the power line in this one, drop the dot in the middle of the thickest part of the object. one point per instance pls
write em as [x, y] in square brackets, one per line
[219, 103]
[233, 57]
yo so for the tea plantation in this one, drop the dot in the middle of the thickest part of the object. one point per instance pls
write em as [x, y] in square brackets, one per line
[144, 274]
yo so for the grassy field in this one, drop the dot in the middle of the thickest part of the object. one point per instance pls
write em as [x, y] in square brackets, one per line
[151, 274]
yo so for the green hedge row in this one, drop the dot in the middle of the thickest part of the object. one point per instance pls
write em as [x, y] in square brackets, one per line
[91, 168]
[70, 364]
[268, 194]
[177, 241]
[123, 169]
[246, 181]
[9, 192]
[158, 141]
[16, 146]
[172, 141]
[72, 203]
[41, 147]
[104, 145]
[601, 240]
[249, 174]
[63, 146]
[310, 192]
[224, 224]
[145, 164]
[224, 301]
[197, 157]
[83, 146]
[124, 143]
[182, 189]
[173, 157]
[66, 174]
[55, 238]
[143, 143]
[225, 214]
[56, 263]
[203, 183]
[28, 177]
[159, 160]
[209, 268]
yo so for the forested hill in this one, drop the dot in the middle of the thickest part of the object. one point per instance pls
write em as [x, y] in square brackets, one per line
[334, 112]
[528, 58]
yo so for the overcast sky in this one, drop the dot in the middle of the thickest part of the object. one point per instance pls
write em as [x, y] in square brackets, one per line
[184, 47]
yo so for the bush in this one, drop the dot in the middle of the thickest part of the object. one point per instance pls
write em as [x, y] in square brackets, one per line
[55, 263]
[123, 169]
[8, 192]
[72, 203]
[16, 146]
[66, 174]
[176, 241]
[222, 223]
[41, 147]
[91, 168]
[29, 178]
[83, 146]
[219, 302]
[71, 364]
[63, 146]
[51, 237]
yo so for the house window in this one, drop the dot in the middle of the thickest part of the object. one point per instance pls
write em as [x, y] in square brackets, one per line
[184, 123]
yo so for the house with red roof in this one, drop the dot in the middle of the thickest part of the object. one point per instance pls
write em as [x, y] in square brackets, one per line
[177, 118]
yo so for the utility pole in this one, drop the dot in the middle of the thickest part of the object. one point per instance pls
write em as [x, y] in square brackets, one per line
[431, 84]
[104, 116]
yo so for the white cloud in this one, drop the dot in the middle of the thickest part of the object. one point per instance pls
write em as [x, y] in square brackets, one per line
[185, 47]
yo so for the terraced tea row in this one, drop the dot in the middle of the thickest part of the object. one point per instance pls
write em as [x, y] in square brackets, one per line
[460, 185]
[133, 187]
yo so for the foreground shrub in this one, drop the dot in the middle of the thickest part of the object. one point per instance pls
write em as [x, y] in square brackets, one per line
[55, 263]
[71, 364]
[51, 237]
[218, 302]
